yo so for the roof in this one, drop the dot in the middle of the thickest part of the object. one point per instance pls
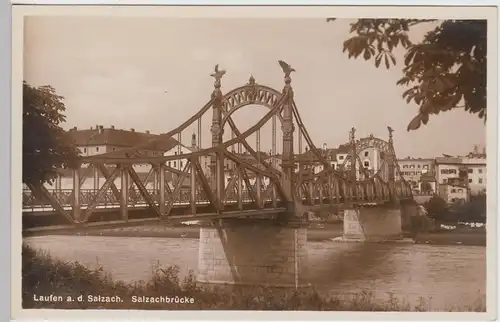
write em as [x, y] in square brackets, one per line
[448, 160]
[413, 160]
[115, 137]
[329, 154]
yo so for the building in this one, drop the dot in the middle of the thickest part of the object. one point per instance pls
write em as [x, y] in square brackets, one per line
[179, 149]
[417, 172]
[336, 157]
[339, 158]
[469, 170]
[101, 140]
[453, 193]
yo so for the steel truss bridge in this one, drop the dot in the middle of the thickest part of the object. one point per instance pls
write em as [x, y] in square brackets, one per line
[281, 185]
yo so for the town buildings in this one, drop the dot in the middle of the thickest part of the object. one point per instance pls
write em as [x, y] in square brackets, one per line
[469, 171]
[99, 140]
[420, 173]
[455, 178]
[453, 193]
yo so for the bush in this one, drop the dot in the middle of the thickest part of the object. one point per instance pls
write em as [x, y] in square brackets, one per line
[437, 209]
[43, 275]
[472, 211]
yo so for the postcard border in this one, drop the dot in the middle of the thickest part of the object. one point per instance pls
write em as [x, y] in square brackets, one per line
[19, 12]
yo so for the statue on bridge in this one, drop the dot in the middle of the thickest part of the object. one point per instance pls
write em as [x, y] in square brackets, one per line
[351, 133]
[287, 69]
[390, 131]
[218, 73]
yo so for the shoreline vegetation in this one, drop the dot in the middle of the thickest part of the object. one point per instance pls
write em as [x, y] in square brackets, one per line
[54, 284]
[317, 232]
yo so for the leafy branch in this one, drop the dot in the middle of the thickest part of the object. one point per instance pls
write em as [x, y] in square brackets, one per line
[447, 70]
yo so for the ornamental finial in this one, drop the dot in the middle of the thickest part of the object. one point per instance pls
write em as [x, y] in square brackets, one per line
[390, 131]
[217, 74]
[351, 133]
[287, 69]
[251, 80]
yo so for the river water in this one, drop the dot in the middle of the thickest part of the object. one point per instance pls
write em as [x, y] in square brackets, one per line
[444, 276]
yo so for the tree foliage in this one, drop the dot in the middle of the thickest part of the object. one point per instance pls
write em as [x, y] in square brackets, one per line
[45, 146]
[437, 208]
[446, 70]
[473, 210]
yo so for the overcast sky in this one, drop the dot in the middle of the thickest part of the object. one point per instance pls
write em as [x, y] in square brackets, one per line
[115, 71]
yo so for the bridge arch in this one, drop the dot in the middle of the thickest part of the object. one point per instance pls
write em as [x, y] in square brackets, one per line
[251, 93]
[367, 143]
[373, 142]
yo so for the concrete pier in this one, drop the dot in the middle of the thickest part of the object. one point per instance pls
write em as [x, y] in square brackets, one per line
[373, 224]
[253, 252]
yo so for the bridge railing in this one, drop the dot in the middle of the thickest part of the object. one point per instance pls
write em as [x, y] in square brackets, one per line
[135, 199]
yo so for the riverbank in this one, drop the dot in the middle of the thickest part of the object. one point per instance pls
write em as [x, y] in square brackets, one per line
[44, 276]
[327, 232]
[316, 233]
[460, 236]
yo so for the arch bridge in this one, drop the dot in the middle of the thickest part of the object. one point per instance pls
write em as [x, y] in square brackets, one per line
[279, 188]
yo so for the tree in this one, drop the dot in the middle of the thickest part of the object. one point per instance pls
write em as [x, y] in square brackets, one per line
[447, 70]
[45, 146]
[437, 208]
[426, 187]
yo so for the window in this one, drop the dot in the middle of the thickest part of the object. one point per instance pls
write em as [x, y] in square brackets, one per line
[480, 170]
[470, 180]
[453, 190]
[175, 153]
[445, 181]
[366, 153]
[366, 164]
[425, 167]
[181, 164]
[405, 166]
[114, 149]
[169, 163]
[460, 190]
[480, 180]
[96, 149]
[341, 157]
[84, 150]
[470, 170]
[418, 166]
[175, 164]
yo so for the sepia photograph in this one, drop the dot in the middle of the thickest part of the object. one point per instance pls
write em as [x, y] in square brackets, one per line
[315, 163]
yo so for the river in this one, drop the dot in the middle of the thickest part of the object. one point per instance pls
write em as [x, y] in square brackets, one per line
[444, 276]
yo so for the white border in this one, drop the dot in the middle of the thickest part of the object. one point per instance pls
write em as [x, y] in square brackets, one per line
[269, 11]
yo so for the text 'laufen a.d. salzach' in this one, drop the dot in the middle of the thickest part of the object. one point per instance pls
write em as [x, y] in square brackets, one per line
[114, 299]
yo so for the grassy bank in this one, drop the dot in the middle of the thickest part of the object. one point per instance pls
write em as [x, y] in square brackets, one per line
[44, 276]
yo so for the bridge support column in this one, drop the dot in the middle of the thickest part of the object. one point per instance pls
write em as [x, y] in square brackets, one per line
[76, 195]
[372, 224]
[252, 253]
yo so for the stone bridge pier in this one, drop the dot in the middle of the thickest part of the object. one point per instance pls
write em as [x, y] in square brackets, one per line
[374, 224]
[253, 252]
[378, 223]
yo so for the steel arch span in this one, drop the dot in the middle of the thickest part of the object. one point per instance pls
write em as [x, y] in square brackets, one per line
[200, 184]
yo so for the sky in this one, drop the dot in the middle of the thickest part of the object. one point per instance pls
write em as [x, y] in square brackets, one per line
[152, 73]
